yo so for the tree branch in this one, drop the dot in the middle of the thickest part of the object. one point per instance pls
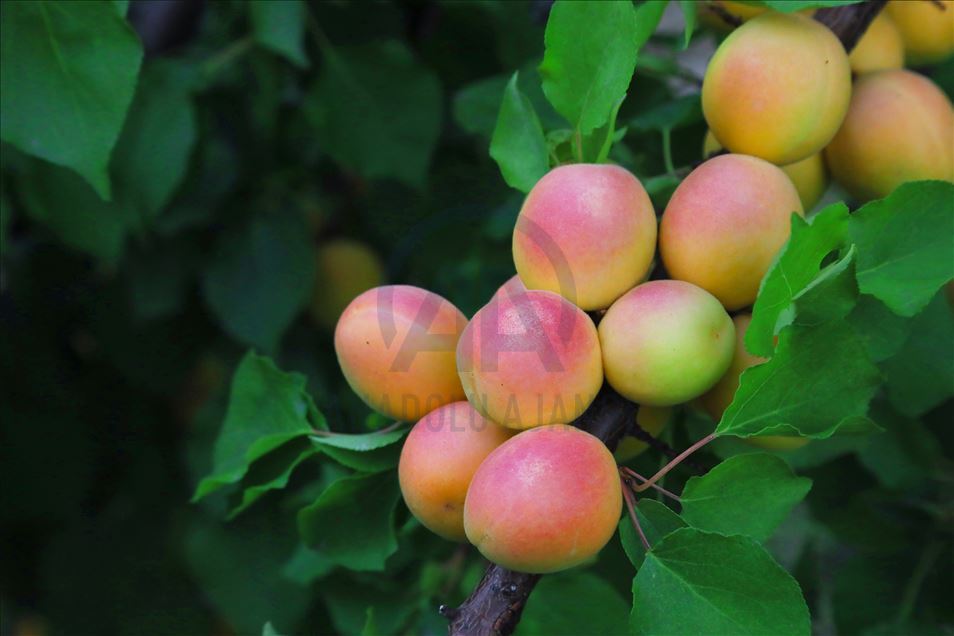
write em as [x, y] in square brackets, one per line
[495, 605]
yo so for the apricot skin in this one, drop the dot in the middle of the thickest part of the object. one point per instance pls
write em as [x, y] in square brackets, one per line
[718, 398]
[927, 29]
[809, 176]
[440, 456]
[724, 225]
[899, 128]
[652, 419]
[400, 363]
[777, 88]
[879, 49]
[586, 232]
[530, 359]
[544, 501]
[343, 269]
[665, 342]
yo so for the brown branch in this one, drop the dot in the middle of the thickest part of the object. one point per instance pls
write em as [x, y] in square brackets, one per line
[496, 604]
[723, 14]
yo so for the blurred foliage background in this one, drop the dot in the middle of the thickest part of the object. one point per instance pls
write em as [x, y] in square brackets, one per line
[261, 139]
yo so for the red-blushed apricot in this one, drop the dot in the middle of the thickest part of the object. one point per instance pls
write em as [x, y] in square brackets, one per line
[927, 28]
[530, 359]
[545, 500]
[586, 232]
[724, 225]
[777, 88]
[512, 287]
[809, 176]
[718, 398]
[396, 347]
[880, 48]
[343, 269]
[439, 458]
[652, 419]
[899, 128]
[665, 342]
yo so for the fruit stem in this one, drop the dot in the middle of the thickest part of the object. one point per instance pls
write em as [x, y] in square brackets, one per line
[632, 473]
[675, 462]
[630, 500]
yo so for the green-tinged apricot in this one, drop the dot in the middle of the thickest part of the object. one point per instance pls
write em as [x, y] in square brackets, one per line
[665, 342]
[718, 398]
[900, 127]
[652, 419]
[396, 347]
[440, 456]
[586, 232]
[724, 225]
[777, 88]
[343, 269]
[927, 28]
[545, 500]
[530, 359]
[809, 176]
[879, 49]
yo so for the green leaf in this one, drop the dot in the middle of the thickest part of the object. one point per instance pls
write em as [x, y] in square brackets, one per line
[905, 243]
[920, 375]
[377, 112]
[160, 276]
[271, 472]
[5, 218]
[696, 582]
[746, 494]
[648, 15]
[122, 6]
[678, 113]
[573, 603]
[267, 408]
[268, 630]
[306, 566]
[477, 105]
[589, 60]
[904, 455]
[818, 378]
[370, 625]
[370, 452]
[796, 266]
[260, 276]
[689, 10]
[279, 25]
[656, 520]
[883, 331]
[518, 145]
[832, 295]
[791, 6]
[152, 154]
[69, 72]
[352, 521]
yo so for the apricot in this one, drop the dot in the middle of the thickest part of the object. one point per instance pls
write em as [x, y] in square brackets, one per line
[777, 88]
[926, 27]
[899, 128]
[879, 48]
[440, 456]
[530, 359]
[652, 419]
[513, 286]
[740, 10]
[343, 269]
[665, 342]
[724, 225]
[544, 501]
[809, 176]
[718, 398]
[586, 232]
[396, 347]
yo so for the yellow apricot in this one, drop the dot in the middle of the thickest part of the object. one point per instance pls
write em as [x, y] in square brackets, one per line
[927, 28]
[652, 419]
[343, 269]
[880, 47]
[777, 88]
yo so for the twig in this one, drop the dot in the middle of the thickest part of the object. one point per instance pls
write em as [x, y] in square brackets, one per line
[630, 500]
[642, 435]
[675, 462]
[629, 472]
[729, 18]
[849, 23]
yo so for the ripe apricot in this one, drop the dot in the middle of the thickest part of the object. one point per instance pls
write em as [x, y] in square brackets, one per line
[652, 419]
[899, 128]
[880, 47]
[777, 88]
[809, 176]
[344, 268]
[530, 359]
[718, 398]
[543, 501]
[586, 232]
[724, 224]
[665, 342]
[927, 28]
[396, 347]
[439, 458]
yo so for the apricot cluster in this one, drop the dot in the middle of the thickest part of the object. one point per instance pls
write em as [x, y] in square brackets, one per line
[606, 295]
